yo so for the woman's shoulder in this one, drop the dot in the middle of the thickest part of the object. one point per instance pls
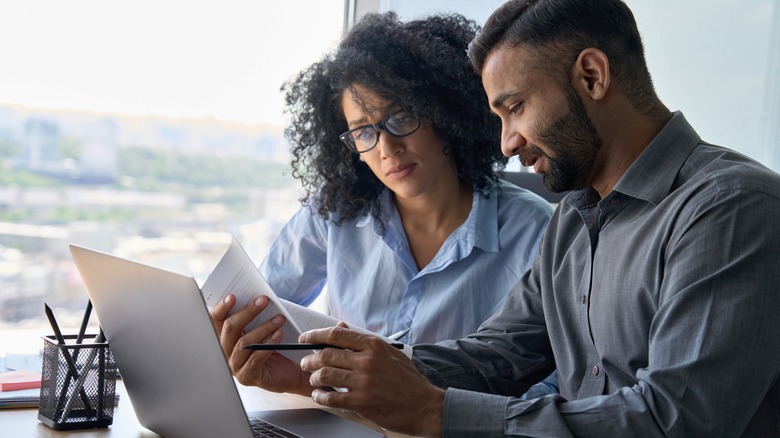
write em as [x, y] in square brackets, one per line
[512, 197]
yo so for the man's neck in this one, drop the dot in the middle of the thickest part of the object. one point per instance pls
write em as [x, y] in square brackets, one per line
[625, 134]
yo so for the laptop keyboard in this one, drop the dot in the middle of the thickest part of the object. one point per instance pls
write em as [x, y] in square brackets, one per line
[264, 429]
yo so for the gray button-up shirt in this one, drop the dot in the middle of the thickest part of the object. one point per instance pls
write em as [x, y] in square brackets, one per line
[659, 305]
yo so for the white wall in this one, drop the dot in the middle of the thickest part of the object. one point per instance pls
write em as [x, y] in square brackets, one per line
[708, 58]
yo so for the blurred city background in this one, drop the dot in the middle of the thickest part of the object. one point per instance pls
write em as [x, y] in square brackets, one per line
[149, 130]
[153, 129]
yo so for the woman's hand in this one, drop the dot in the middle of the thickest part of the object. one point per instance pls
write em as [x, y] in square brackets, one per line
[267, 369]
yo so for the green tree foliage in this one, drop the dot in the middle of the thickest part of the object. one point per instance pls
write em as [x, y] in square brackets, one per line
[9, 148]
[154, 168]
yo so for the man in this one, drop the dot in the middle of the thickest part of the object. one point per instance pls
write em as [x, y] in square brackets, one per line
[655, 290]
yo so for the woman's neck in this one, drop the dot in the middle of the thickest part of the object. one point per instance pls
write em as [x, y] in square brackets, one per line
[429, 220]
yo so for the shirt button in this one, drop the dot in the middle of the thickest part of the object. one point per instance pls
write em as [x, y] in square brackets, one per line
[595, 370]
[584, 299]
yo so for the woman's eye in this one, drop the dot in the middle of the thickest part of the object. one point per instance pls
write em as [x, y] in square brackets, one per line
[366, 135]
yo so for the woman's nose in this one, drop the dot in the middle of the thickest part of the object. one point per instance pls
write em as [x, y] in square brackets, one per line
[389, 146]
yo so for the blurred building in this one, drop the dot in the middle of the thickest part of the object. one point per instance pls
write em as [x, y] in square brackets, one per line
[99, 158]
[41, 145]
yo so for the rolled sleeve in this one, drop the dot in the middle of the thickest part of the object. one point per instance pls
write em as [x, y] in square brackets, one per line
[469, 414]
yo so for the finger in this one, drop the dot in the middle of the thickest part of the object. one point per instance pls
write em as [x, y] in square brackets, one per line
[268, 333]
[332, 399]
[337, 336]
[328, 357]
[238, 320]
[221, 310]
[247, 364]
[262, 333]
[332, 377]
[233, 325]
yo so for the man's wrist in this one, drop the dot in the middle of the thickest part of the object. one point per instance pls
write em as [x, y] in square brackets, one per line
[432, 414]
[304, 387]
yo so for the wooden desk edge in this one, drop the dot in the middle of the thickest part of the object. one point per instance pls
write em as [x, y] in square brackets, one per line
[23, 422]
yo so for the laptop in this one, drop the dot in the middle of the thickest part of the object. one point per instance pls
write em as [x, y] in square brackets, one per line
[176, 376]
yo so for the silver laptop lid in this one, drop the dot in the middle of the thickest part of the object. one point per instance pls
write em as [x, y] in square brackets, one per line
[166, 348]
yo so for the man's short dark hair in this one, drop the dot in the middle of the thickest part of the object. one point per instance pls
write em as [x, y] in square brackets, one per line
[561, 29]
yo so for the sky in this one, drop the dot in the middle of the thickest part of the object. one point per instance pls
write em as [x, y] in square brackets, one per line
[186, 58]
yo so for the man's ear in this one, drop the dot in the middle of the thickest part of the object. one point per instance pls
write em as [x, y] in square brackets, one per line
[590, 73]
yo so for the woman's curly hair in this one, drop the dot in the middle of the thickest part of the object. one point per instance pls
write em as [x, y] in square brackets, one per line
[420, 65]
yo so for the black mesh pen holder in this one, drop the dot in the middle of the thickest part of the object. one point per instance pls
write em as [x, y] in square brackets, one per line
[77, 392]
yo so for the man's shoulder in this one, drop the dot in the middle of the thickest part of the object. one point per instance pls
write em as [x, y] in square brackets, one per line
[723, 170]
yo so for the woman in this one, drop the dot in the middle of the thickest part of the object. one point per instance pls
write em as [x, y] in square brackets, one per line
[404, 217]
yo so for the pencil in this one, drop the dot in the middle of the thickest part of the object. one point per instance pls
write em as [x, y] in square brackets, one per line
[79, 386]
[66, 355]
[79, 340]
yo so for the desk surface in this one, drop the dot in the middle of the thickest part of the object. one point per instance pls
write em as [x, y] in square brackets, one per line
[23, 423]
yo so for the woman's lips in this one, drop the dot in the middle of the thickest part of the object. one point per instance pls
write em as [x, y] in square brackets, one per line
[401, 170]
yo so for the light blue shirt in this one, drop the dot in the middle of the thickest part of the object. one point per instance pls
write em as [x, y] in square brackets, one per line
[372, 278]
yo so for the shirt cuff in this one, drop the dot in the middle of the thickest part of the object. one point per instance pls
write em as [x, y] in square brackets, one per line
[469, 414]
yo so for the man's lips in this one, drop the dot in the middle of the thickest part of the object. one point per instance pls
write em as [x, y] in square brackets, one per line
[538, 164]
[528, 161]
[529, 158]
[532, 157]
[400, 170]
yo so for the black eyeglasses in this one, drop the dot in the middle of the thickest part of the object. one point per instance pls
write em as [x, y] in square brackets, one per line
[364, 138]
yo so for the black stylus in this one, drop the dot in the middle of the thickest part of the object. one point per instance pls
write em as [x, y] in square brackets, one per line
[294, 346]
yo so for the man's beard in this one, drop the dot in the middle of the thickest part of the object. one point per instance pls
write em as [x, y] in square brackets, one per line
[575, 142]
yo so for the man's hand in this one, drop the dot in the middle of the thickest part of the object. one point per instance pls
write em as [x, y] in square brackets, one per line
[382, 383]
[266, 369]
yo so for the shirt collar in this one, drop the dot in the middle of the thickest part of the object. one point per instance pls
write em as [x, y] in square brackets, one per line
[482, 222]
[651, 175]
[480, 228]
[387, 213]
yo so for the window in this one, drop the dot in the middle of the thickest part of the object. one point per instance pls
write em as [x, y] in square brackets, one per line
[147, 129]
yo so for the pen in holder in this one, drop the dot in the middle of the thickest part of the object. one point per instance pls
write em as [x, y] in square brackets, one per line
[78, 383]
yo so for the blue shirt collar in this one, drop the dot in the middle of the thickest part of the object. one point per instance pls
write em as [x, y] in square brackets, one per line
[479, 230]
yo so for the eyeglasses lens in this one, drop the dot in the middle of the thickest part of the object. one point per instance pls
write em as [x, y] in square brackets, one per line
[398, 125]
[401, 124]
[365, 138]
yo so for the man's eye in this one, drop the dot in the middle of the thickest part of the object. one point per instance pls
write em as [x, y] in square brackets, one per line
[515, 108]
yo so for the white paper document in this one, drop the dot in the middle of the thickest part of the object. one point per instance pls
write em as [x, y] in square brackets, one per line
[236, 273]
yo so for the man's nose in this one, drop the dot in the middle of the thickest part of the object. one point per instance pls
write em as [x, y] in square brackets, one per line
[511, 143]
